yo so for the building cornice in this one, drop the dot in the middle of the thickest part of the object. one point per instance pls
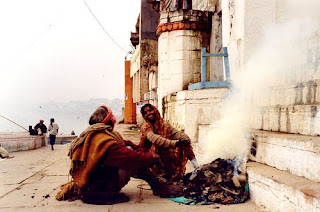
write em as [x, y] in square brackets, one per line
[184, 20]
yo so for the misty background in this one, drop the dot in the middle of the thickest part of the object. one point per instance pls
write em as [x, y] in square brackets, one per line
[57, 61]
[73, 115]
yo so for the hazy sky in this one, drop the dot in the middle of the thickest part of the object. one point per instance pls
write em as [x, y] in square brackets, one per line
[54, 50]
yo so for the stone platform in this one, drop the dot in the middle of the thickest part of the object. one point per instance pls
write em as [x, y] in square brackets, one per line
[18, 141]
[30, 181]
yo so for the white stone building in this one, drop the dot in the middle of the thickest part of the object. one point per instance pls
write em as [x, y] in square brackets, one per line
[274, 55]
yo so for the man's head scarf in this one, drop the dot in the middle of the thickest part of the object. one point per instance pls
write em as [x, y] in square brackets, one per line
[110, 116]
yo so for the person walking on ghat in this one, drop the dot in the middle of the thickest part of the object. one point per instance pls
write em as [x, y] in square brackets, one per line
[173, 146]
[53, 131]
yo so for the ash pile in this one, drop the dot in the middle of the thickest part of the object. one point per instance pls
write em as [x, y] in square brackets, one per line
[217, 182]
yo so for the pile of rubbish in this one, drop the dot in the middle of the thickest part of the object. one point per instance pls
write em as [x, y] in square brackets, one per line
[217, 182]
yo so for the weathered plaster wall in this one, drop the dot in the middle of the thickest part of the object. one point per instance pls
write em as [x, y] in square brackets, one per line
[204, 5]
[187, 110]
[135, 74]
[257, 15]
[215, 64]
[135, 61]
[244, 23]
[233, 32]
[292, 107]
[145, 57]
[153, 86]
[149, 19]
[312, 61]
[144, 61]
[149, 63]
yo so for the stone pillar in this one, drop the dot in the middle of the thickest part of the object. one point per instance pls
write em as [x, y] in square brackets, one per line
[182, 34]
[129, 106]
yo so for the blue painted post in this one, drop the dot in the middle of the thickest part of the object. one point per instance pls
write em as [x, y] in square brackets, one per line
[212, 84]
[226, 63]
[203, 65]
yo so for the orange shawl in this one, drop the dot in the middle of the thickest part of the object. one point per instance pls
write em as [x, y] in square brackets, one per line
[85, 152]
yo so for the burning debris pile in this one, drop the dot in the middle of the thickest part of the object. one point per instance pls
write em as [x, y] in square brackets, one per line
[217, 182]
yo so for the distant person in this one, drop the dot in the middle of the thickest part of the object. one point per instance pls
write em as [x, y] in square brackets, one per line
[3, 153]
[72, 132]
[32, 131]
[41, 128]
[53, 131]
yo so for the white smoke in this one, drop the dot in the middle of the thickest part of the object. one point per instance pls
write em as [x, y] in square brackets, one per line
[279, 59]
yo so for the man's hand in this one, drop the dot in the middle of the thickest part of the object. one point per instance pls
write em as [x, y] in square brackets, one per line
[129, 147]
[128, 143]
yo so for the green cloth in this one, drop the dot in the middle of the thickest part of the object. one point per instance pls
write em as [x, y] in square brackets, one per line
[187, 201]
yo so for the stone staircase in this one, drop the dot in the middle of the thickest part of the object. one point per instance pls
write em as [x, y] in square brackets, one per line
[284, 173]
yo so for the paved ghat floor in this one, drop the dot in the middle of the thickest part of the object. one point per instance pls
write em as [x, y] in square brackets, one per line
[30, 181]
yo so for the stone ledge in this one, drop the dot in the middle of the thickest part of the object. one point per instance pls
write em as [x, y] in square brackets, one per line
[20, 141]
[14, 142]
[281, 191]
[184, 20]
[297, 119]
[185, 15]
[297, 154]
[190, 108]
[296, 94]
[202, 94]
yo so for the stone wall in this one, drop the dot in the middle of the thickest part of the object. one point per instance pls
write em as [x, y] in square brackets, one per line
[13, 142]
[204, 5]
[149, 67]
[145, 57]
[215, 64]
[143, 62]
[187, 110]
[135, 74]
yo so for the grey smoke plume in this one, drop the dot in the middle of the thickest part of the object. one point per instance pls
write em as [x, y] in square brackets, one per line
[278, 59]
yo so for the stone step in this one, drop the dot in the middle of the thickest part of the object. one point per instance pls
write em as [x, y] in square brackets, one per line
[281, 191]
[298, 119]
[297, 94]
[297, 154]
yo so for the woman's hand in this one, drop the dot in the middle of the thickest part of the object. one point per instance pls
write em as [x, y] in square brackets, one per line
[182, 143]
